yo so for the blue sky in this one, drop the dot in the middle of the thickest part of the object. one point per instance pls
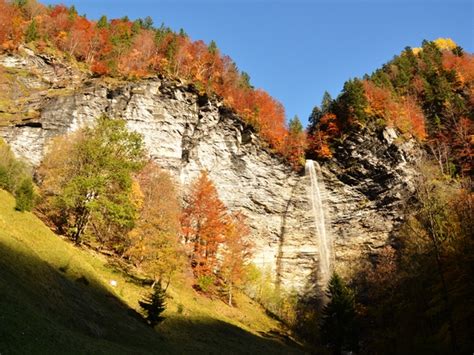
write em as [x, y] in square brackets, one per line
[298, 49]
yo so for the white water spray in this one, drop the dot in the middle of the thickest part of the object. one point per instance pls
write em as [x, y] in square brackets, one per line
[325, 244]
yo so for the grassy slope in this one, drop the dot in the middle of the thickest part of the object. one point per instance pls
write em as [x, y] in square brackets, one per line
[55, 298]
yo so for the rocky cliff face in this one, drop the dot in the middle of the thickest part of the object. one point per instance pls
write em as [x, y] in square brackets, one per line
[186, 132]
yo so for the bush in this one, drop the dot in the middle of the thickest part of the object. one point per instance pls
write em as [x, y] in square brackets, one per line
[5, 179]
[205, 283]
[261, 287]
[12, 170]
[25, 196]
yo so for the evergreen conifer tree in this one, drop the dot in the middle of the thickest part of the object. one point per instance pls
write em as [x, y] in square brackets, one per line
[154, 305]
[338, 328]
[103, 22]
[31, 33]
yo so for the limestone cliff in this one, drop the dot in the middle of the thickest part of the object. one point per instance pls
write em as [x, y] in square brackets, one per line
[186, 132]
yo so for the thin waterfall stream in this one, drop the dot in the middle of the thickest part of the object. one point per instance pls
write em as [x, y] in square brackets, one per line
[325, 243]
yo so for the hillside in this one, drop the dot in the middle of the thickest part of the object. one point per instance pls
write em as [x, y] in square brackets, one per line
[139, 156]
[57, 298]
[425, 93]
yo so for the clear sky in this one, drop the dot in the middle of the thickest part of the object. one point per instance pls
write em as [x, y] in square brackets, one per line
[298, 49]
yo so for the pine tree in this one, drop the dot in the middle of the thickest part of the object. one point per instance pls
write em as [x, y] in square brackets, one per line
[352, 102]
[212, 47]
[154, 304]
[326, 103]
[147, 23]
[103, 22]
[338, 328]
[31, 32]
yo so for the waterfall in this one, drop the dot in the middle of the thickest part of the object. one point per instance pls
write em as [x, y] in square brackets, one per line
[325, 245]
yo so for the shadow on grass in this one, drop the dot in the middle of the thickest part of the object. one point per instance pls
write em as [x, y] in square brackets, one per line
[210, 335]
[46, 310]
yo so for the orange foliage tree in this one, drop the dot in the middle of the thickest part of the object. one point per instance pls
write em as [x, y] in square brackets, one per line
[403, 113]
[216, 240]
[204, 223]
[237, 252]
[120, 47]
[153, 244]
[319, 140]
[295, 144]
[11, 26]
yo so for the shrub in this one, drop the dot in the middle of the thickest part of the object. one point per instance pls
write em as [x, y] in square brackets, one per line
[25, 196]
[205, 283]
[12, 170]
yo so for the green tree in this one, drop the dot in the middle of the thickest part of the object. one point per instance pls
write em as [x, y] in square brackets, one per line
[245, 80]
[338, 327]
[137, 26]
[31, 33]
[314, 118]
[182, 33]
[320, 111]
[147, 23]
[25, 196]
[326, 103]
[352, 102]
[72, 12]
[20, 3]
[161, 33]
[12, 170]
[153, 305]
[295, 126]
[212, 47]
[86, 179]
[103, 22]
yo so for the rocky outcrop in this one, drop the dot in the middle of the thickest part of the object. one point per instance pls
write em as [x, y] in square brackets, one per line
[186, 132]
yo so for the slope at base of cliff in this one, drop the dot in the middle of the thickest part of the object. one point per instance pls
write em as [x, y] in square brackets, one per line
[56, 298]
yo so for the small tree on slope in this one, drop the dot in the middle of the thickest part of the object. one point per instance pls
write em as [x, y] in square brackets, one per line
[338, 328]
[154, 305]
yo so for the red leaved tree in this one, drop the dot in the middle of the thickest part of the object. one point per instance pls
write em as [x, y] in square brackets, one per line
[236, 254]
[204, 223]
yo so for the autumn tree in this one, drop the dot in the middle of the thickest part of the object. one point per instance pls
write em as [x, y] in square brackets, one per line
[87, 181]
[154, 241]
[11, 26]
[295, 144]
[431, 225]
[236, 252]
[204, 224]
[136, 49]
[414, 298]
[319, 141]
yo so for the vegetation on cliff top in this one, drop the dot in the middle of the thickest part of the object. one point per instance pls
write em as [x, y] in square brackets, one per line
[426, 92]
[137, 49]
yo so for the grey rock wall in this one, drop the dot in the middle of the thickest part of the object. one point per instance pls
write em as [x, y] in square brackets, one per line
[186, 132]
